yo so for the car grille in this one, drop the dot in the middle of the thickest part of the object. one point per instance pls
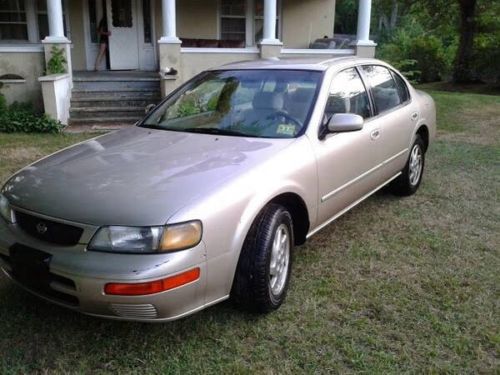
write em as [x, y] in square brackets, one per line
[49, 231]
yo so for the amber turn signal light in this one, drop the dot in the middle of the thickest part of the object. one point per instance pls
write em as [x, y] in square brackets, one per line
[153, 287]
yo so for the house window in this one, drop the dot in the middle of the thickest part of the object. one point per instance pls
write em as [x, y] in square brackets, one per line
[121, 13]
[146, 11]
[43, 20]
[259, 20]
[239, 17]
[94, 38]
[233, 20]
[13, 23]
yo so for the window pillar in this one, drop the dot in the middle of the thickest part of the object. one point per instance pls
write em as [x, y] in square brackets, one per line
[250, 23]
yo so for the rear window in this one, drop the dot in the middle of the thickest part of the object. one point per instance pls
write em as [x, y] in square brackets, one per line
[384, 89]
[402, 88]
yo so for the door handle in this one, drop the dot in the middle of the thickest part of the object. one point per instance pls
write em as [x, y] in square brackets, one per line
[414, 116]
[375, 134]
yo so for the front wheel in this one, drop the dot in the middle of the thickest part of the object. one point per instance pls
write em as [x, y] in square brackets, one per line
[264, 268]
[411, 176]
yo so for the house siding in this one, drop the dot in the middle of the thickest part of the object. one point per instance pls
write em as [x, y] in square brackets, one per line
[306, 21]
[78, 53]
[30, 66]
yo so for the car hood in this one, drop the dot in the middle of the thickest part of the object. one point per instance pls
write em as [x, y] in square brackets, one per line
[136, 176]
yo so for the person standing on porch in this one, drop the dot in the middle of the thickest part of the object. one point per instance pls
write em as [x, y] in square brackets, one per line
[104, 34]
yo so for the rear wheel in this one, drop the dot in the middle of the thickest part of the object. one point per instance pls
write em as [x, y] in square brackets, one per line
[411, 177]
[263, 272]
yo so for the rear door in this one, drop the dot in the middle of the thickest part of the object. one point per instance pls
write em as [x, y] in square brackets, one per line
[395, 117]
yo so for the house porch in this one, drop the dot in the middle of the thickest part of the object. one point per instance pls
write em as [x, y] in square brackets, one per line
[159, 35]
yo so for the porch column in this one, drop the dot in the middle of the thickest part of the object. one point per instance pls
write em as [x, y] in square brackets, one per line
[56, 40]
[364, 46]
[169, 47]
[270, 46]
[56, 24]
[169, 22]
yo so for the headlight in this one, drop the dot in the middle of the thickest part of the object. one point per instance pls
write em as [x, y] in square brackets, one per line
[5, 210]
[141, 240]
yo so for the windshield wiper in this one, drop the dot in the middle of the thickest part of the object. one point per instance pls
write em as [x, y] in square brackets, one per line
[217, 131]
[150, 126]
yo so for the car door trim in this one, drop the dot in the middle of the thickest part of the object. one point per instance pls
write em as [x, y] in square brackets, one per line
[336, 216]
[361, 176]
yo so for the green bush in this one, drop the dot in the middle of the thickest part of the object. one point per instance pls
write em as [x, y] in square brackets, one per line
[20, 117]
[3, 104]
[431, 58]
[57, 62]
[421, 56]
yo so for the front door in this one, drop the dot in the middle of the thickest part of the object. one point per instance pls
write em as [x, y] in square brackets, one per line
[123, 42]
[347, 162]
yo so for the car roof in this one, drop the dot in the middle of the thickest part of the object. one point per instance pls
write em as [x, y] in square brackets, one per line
[319, 64]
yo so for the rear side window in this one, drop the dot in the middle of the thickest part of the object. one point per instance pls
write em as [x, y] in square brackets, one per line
[348, 95]
[402, 88]
[384, 89]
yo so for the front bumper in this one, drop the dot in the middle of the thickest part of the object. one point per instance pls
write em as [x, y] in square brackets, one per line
[77, 277]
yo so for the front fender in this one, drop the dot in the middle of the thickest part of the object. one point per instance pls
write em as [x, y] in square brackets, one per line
[228, 213]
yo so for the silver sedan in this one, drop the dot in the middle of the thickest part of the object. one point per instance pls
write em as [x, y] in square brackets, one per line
[208, 195]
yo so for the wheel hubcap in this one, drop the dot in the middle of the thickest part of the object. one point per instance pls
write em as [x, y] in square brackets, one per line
[415, 165]
[280, 258]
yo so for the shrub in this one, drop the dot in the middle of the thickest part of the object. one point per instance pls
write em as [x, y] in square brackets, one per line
[20, 117]
[421, 56]
[57, 62]
[431, 58]
[3, 104]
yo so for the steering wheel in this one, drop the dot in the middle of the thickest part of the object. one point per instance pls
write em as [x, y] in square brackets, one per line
[286, 115]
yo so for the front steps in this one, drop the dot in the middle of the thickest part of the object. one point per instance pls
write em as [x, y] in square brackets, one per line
[111, 99]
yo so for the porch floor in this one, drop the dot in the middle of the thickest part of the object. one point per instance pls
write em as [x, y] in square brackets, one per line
[115, 75]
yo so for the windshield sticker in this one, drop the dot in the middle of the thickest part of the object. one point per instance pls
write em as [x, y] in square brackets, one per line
[286, 129]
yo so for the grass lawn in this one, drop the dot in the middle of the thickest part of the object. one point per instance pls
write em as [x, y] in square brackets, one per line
[396, 285]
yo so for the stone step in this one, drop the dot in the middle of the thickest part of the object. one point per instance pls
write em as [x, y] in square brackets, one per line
[116, 85]
[100, 95]
[116, 78]
[106, 112]
[125, 101]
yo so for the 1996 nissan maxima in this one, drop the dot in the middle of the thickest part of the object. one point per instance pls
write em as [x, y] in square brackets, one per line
[208, 195]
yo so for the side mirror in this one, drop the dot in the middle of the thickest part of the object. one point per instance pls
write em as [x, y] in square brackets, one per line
[149, 108]
[345, 122]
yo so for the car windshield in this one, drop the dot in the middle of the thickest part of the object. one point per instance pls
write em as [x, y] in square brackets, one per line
[246, 103]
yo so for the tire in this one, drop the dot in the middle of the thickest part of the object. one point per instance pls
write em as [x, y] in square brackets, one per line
[411, 176]
[263, 272]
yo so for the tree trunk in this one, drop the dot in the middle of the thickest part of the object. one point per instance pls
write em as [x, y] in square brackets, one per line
[463, 72]
[394, 15]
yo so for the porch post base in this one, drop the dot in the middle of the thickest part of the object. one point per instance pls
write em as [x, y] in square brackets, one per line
[60, 43]
[56, 91]
[167, 85]
[270, 50]
[365, 48]
[170, 58]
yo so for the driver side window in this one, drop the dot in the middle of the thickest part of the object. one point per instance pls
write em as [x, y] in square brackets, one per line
[348, 95]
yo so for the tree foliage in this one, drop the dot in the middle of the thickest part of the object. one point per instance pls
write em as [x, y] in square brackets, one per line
[456, 39]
